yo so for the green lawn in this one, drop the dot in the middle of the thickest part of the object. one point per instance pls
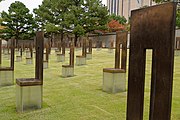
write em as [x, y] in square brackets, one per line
[80, 97]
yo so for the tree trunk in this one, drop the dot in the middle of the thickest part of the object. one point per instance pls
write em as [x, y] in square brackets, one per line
[63, 43]
[75, 40]
[21, 50]
[62, 36]
[51, 40]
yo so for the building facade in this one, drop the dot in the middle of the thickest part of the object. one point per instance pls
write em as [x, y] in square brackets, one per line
[124, 7]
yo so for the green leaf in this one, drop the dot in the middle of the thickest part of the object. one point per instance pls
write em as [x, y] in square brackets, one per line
[18, 22]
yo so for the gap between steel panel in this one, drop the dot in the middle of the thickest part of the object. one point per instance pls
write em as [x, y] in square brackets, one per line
[39, 55]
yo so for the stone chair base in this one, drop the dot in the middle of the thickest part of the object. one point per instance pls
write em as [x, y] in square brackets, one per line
[114, 80]
[88, 56]
[7, 56]
[45, 64]
[29, 61]
[98, 49]
[80, 60]
[6, 76]
[177, 52]
[44, 57]
[28, 54]
[67, 71]
[56, 50]
[78, 48]
[110, 50]
[60, 57]
[18, 58]
[5, 52]
[28, 94]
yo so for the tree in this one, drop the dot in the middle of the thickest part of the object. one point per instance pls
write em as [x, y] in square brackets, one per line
[18, 22]
[96, 16]
[85, 16]
[121, 19]
[178, 18]
[38, 20]
[161, 1]
[51, 13]
[74, 16]
[50, 29]
[114, 26]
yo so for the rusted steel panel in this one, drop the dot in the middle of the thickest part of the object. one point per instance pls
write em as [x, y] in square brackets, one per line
[31, 49]
[59, 45]
[90, 46]
[71, 62]
[12, 53]
[111, 46]
[113, 70]
[63, 47]
[151, 28]
[11, 47]
[39, 55]
[121, 39]
[6, 69]
[28, 81]
[84, 50]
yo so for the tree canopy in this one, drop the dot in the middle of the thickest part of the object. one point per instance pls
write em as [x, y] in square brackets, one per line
[77, 17]
[18, 22]
[178, 18]
[50, 16]
[161, 1]
[73, 16]
[121, 19]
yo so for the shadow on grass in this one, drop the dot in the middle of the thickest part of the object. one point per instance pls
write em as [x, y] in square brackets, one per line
[67, 77]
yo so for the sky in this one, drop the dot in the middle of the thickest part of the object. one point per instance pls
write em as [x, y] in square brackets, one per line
[31, 4]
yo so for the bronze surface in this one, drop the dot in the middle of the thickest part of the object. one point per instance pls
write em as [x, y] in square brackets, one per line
[28, 81]
[11, 47]
[39, 56]
[12, 53]
[31, 49]
[71, 55]
[121, 39]
[84, 50]
[113, 70]
[151, 28]
[90, 46]
[66, 66]
[6, 69]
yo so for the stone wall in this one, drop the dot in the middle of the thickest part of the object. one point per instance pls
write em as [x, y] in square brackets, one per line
[105, 39]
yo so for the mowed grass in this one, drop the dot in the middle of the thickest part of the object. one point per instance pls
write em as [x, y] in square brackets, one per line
[80, 97]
